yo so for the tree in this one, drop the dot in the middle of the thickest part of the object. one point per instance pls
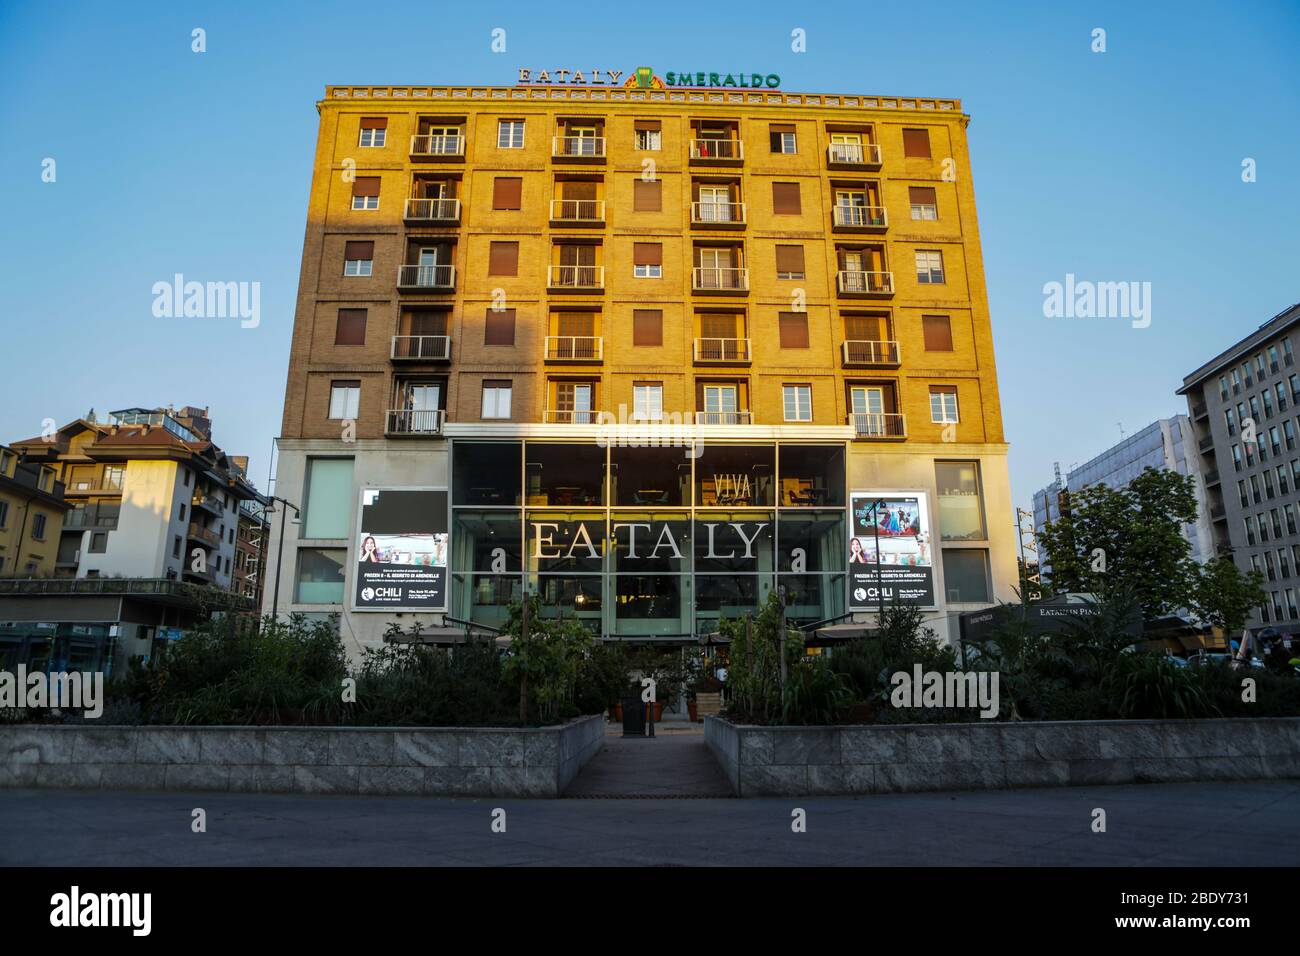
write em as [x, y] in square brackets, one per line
[1129, 536]
[1223, 597]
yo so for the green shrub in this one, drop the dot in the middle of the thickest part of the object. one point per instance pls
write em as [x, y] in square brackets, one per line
[1151, 686]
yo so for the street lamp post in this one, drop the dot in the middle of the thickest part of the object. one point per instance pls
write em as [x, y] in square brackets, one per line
[279, 555]
[880, 586]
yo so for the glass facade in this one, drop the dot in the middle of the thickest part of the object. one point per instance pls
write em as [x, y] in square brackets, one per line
[648, 542]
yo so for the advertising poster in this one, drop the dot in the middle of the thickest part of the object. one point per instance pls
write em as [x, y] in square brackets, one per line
[901, 524]
[401, 551]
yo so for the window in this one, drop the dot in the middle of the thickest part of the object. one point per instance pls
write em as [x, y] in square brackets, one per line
[1254, 488]
[507, 192]
[4, 514]
[647, 260]
[961, 514]
[798, 403]
[496, 398]
[499, 328]
[345, 400]
[929, 267]
[1273, 358]
[510, 134]
[966, 576]
[328, 505]
[98, 542]
[1241, 492]
[1223, 388]
[1280, 390]
[916, 143]
[923, 202]
[187, 478]
[937, 331]
[1231, 420]
[647, 196]
[1281, 479]
[720, 402]
[176, 546]
[1288, 431]
[647, 327]
[785, 199]
[358, 258]
[180, 512]
[782, 138]
[373, 131]
[38, 527]
[648, 401]
[365, 192]
[320, 576]
[350, 328]
[503, 258]
[646, 135]
[793, 328]
[943, 404]
[789, 262]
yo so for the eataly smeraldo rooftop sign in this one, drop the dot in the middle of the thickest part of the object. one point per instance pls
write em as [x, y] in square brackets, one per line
[644, 78]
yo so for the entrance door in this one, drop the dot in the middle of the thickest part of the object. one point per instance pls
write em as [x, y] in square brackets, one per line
[573, 402]
[431, 261]
[853, 276]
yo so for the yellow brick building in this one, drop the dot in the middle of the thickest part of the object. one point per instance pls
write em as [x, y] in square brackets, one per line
[498, 280]
[31, 517]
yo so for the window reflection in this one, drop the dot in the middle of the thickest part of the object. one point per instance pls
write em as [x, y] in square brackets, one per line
[565, 474]
[486, 473]
[734, 475]
[812, 475]
[650, 476]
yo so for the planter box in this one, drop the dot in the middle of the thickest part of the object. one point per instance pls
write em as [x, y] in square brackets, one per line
[898, 758]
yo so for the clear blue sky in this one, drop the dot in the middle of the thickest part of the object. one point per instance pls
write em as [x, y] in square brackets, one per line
[1117, 166]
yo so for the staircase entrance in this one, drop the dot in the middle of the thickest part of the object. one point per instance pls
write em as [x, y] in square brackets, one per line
[673, 764]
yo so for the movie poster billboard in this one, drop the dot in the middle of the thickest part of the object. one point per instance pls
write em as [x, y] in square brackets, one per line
[401, 551]
[901, 525]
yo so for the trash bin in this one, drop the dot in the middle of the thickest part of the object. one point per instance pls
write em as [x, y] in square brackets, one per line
[633, 716]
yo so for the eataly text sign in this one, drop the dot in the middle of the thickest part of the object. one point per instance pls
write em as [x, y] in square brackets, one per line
[735, 535]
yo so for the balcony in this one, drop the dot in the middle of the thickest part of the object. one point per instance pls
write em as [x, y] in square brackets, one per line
[720, 280]
[1199, 411]
[717, 152]
[853, 155]
[718, 215]
[578, 149]
[428, 211]
[1212, 478]
[723, 418]
[576, 278]
[865, 353]
[1219, 513]
[441, 146]
[433, 278]
[68, 560]
[209, 503]
[1206, 443]
[723, 351]
[574, 348]
[864, 283]
[205, 535]
[100, 485]
[421, 348]
[883, 426]
[859, 218]
[90, 517]
[571, 416]
[414, 422]
[578, 212]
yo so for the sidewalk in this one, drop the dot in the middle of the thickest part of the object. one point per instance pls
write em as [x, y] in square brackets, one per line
[674, 763]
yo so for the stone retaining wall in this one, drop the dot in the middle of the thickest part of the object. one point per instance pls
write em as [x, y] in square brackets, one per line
[793, 761]
[453, 761]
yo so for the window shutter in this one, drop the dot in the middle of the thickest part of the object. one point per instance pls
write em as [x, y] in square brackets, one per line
[938, 333]
[794, 330]
[646, 196]
[503, 259]
[646, 126]
[352, 251]
[789, 259]
[507, 192]
[916, 142]
[579, 189]
[365, 186]
[647, 327]
[921, 195]
[500, 328]
[374, 122]
[647, 254]
[785, 199]
[351, 327]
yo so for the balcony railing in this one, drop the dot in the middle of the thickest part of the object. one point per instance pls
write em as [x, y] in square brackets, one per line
[723, 418]
[868, 352]
[576, 277]
[578, 147]
[426, 277]
[722, 350]
[100, 485]
[206, 535]
[878, 424]
[577, 210]
[415, 421]
[718, 213]
[859, 217]
[864, 283]
[571, 416]
[81, 518]
[441, 144]
[724, 150]
[721, 279]
[433, 210]
[209, 503]
[1206, 443]
[853, 154]
[574, 348]
[428, 348]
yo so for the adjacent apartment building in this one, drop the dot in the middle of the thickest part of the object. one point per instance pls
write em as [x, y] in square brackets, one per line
[1243, 404]
[31, 516]
[650, 352]
[147, 544]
